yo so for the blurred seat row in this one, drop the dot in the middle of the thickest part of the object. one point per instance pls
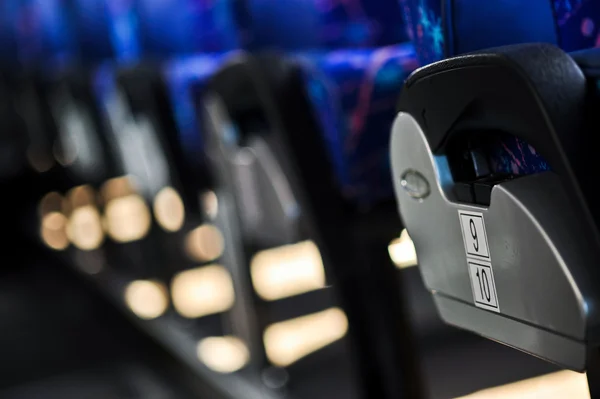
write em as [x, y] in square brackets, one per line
[157, 147]
[221, 171]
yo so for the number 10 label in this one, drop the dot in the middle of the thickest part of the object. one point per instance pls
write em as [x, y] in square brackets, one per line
[479, 260]
[484, 288]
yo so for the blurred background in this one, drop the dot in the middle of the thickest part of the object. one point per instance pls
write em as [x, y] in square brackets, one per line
[197, 204]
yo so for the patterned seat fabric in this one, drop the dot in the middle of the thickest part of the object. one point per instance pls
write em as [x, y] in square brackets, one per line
[444, 28]
[189, 26]
[326, 24]
[35, 32]
[354, 93]
[185, 78]
[106, 29]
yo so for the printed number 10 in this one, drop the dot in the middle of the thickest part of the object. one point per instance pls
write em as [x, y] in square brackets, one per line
[484, 284]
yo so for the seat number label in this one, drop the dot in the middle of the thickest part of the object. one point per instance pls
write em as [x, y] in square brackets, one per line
[479, 261]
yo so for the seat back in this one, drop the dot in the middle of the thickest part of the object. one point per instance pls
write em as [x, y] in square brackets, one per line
[498, 251]
[353, 95]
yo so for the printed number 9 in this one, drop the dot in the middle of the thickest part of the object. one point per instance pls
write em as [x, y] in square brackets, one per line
[474, 234]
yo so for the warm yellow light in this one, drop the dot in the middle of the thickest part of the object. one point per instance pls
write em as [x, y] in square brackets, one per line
[53, 225]
[288, 270]
[84, 228]
[288, 341]
[54, 221]
[147, 299]
[127, 218]
[202, 291]
[51, 202]
[560, 385]
[81, 196]
[204, 243]
[117, 187]
[210, 204]
[53, 231]
[402, 251]
[169, 210]
[223, 354]
[126, 215]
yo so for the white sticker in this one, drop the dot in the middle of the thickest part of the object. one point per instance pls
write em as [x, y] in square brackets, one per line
[479, 260]
[474, 235]
[482, 282]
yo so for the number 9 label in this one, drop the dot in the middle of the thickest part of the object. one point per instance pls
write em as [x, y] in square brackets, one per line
[474, 234]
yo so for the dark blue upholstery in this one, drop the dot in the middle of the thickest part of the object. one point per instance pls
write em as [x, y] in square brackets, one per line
[443, 28]
[302, 24]
[354, 93]
[169, 27]
[185, 78]
[35, 31]
[106, 29]
[186, 26]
